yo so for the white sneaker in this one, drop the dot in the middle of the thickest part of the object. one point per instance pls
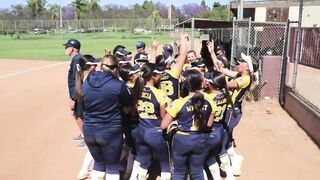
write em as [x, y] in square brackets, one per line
[236, 166]
[83, 175]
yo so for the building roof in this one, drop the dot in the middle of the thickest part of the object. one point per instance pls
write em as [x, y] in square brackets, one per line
[205, 23]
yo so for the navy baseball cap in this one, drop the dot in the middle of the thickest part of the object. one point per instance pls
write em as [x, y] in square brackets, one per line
[141, 57]
[73, 43]
[94, 61]
[140, 44]
[198, 63]
[124, 60]
[220, 47]
[122, 52]
[135, 69]
[159, 69]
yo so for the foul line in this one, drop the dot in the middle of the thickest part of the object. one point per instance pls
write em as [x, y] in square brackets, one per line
[33, 69]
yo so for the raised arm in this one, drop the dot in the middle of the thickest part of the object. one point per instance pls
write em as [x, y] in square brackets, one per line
[184, 39]
[154, 47]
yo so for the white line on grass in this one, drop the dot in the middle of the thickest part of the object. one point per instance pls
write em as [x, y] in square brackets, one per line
[33, 69]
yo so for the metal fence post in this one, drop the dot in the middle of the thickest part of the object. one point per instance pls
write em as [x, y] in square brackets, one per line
[298, 48]
[192, 33]
[249, 36]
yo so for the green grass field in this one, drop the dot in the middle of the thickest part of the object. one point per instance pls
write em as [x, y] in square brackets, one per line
[49, 46]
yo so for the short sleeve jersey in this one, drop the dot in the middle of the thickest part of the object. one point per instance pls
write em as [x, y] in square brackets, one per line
[182, 110]
[243, 83]
[170, 83]
[221, 103]
[149, 106]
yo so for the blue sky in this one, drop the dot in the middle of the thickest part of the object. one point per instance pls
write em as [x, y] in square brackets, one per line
[8, 3]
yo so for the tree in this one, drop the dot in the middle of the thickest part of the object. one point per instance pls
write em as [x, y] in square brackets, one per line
[148, 5]
[37, 6]
[54, 10]
[204, 5]
[94, 9]
[192, 10]
[80, 7]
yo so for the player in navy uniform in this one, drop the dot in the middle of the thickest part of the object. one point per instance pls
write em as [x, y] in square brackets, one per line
[170, 80]
[194, 114]
[151, 103]
[104, 97]
[219, 93]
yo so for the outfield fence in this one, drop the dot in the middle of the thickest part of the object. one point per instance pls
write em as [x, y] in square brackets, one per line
[85, 25]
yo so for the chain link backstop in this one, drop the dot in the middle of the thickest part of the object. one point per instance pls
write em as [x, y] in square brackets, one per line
[264, 42]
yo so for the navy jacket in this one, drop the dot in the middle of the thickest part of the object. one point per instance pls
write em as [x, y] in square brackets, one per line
[103, 98]
[72, 76]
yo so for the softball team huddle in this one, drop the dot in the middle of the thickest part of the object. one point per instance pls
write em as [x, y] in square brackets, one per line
[169, 108]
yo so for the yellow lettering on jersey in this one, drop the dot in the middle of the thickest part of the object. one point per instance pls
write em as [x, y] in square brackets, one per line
[146, 95]
[190, 108]
[164, 77]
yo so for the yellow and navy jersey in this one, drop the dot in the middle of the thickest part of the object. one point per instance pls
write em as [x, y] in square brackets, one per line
[243, 83]
[221, 102]
[182, 110]
[170, 83]
[149, 106]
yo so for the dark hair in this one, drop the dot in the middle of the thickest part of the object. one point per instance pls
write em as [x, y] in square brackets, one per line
[219, 82]
[206, 55]
[146, 74]
[124, 71]
[79, 78]
[87, 58]
[194, 83]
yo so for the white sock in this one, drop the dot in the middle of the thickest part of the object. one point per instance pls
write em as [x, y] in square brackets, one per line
[86, 162]
[142, 173]
[97, 175]
[225, 161]
[215, 171]
[112, 176]
[205, 176]
[135, 169]
[165, 176]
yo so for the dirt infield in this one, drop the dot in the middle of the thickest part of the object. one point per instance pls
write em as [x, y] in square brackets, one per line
[37, 130]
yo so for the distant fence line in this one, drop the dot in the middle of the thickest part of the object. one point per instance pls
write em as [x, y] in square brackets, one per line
[26, 26]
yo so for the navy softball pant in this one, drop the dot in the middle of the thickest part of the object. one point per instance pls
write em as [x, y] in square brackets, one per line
[190, 149]
[105, 148]
[231, 121]
[149, 141]
[214, 142]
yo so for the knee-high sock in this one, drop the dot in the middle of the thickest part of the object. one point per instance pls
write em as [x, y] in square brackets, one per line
[86, 162]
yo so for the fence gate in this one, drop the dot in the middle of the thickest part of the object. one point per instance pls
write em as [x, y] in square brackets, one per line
[264, 41]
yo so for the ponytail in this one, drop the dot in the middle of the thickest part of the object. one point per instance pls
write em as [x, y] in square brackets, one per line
[197, 102]
[137, 89]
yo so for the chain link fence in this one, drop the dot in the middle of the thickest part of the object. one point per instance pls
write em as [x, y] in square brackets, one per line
[86, 25]
[301, 74]
[264, 42]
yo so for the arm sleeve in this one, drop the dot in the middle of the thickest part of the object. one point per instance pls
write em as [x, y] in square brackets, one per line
[72, 79]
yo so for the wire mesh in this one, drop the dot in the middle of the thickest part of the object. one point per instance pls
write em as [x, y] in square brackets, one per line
[264, 42]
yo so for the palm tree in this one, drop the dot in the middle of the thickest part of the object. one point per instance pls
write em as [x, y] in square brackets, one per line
[37, 6]
[80, 7]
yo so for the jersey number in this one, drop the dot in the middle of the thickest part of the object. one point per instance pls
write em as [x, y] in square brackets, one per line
[167, 87]
[219, 112]
[146, 110]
